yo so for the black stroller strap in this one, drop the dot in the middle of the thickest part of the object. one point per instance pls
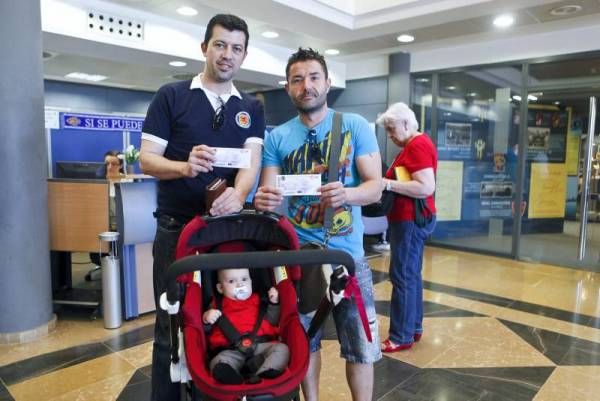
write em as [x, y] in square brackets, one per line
[236, 339]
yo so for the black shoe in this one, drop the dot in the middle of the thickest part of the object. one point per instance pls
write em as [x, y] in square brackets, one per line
[254, 363]
[224, 373]
[270, 373]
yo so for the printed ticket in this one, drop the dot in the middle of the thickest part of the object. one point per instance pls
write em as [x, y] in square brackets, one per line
[301, 184]
[232, 158]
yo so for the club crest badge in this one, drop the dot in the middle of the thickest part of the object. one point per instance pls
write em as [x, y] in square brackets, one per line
[243, 119]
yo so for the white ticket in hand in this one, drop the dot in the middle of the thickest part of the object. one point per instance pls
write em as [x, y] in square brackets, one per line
[232, 158]
[301, 184]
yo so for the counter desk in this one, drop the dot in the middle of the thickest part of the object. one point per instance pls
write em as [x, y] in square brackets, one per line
[78, 211]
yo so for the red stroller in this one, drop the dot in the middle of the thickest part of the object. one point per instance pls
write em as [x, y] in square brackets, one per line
[190, 281]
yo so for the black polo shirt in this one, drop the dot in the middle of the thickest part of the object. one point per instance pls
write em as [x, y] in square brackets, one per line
[182, 116]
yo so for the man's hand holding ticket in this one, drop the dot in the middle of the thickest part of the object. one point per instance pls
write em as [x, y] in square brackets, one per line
[299, 184]
[232, 157]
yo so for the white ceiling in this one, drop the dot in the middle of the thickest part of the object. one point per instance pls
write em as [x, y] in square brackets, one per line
[361, 30]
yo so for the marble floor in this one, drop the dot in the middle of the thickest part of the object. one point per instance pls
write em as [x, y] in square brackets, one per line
[495, 329]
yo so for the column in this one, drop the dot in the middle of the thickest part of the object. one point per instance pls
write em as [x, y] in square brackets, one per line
[25, 285]
[398, 91]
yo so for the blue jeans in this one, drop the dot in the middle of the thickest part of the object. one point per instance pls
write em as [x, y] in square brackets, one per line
[407, 241]
[354, 345]
[163, 251]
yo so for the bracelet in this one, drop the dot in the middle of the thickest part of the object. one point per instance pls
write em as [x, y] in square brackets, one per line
[388, 185]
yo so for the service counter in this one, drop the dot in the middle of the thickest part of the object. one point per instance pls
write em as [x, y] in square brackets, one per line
[78, 211]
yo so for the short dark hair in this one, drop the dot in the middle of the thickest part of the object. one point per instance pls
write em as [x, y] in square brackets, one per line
[306, 55]
[229, 22]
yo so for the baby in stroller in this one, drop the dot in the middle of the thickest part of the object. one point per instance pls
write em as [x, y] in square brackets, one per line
[267, 245]
[243, 331]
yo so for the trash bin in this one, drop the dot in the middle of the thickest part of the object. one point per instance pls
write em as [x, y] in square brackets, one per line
[111, 281]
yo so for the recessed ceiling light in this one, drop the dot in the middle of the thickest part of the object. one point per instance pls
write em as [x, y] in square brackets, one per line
[422, 79]
[472, 94]
[565, 10]
[332, 52]
[187, 11]
[86, 77]
[504, 21]
[557, 103]
[451, 87]
[405, 38]
[270, 34]
[532, 98]
[177, 63]
[517, 98]
[282, 82]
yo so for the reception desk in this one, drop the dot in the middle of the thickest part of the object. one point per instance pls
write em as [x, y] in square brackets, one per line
[78, 211]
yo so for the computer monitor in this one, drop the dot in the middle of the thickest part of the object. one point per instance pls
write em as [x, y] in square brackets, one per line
[80, 170]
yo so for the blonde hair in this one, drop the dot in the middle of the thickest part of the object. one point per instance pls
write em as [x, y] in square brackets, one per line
[399, 112]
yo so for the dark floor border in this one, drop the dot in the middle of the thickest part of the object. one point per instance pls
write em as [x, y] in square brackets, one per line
[558, 314]
[20, 371]
[565, 316]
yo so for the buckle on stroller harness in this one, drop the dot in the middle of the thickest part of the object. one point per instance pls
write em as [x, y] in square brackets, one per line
[246, 344]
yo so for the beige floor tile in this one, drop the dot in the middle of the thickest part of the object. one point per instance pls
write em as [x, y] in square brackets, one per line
[485, 342]
[571, 383]
[561, 288]
[529, 319]
[468, 342]
[72, 379]
[437, 339]
[69, 333]
[139, 356]
[105, 390]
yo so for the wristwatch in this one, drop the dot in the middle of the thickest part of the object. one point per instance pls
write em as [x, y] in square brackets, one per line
[388, 185]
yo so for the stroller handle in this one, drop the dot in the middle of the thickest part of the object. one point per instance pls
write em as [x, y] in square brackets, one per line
[258, 259]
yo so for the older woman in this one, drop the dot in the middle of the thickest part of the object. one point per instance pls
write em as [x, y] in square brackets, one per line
[411, 178]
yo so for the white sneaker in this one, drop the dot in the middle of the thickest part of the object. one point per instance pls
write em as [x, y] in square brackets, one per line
[381, 247]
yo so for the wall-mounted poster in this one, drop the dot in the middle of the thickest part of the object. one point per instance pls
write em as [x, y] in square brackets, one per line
[448, 200]
[547, 191]
[538, 138]
[459, 140]
[458, 135]
[486, 192]
[547, 133]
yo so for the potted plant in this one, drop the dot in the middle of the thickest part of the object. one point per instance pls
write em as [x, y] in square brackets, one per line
[132, 155]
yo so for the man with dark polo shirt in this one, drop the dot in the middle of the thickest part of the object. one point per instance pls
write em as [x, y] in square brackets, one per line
[185, 121]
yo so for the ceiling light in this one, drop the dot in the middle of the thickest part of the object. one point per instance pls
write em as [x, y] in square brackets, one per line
[422, 79]
[504, 21]
[282, 82]
[472, 94]
[270, 34]
[177, 63]
[532, 98]
[565, 10]
[517, 98]
[187, 11]
[86, 77]
[447, 114]
[451, 87]
[557, 103]
[332, 52]
[405, 38]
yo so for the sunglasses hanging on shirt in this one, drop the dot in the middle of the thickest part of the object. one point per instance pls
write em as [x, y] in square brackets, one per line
[219, 117]
[314, 151]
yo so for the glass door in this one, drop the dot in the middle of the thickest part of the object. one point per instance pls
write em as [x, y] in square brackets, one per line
[560, 209]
